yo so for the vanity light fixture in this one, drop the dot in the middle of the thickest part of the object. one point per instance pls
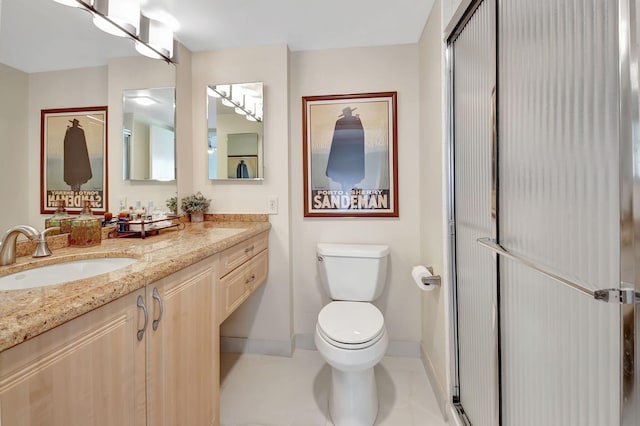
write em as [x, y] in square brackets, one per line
[241, 109]
[155, 37]
[123, 18]
[117, 15]
[233, 96]
[256, 115]
[212, 93]
[227, 101]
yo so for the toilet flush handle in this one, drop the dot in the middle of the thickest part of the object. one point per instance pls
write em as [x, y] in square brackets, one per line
[320, 259]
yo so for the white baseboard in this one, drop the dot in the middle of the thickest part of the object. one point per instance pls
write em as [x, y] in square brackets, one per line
[438, 389]
[453, 417]
[256, 346]
[397, 348]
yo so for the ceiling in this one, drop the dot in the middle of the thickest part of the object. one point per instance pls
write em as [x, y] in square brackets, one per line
[41, 35]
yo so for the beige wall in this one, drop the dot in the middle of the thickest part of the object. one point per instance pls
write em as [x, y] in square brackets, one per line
[360, 70]
[432, 198]
[14, 152]
[267, 314]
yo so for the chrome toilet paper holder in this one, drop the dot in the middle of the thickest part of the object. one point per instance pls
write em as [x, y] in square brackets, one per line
[433, 279]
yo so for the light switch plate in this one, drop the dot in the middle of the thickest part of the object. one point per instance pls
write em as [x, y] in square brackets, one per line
[272, 205]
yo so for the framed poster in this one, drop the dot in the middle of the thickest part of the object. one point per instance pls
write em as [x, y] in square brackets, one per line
[73, 158]
[350, 155]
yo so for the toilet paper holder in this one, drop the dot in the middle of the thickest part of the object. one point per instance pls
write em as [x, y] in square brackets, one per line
[433, 279]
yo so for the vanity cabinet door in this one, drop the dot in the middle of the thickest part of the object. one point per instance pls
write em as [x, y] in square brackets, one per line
[183, 350]
[89, 371]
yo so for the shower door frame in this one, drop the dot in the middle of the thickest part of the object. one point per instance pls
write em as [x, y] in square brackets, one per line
[629, 206]
[454, 361]
[629, 158]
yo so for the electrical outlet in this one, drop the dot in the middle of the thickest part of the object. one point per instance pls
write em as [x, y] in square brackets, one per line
[272, 205]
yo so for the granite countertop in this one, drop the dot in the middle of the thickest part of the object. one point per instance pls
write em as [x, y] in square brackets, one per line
[26, 313]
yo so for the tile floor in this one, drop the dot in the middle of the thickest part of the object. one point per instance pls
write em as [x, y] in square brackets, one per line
[259, 390]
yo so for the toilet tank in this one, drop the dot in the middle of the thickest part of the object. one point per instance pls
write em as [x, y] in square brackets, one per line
[354, 272]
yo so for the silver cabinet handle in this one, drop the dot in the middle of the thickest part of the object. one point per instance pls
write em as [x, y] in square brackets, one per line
[156, 296]
[141, 304]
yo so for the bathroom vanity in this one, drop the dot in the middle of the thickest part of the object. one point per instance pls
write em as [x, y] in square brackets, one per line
[145, 351]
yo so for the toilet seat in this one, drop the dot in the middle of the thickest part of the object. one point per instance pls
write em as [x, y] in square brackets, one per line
[350, 325]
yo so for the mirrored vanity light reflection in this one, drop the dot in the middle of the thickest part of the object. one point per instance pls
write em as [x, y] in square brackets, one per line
[235, 131]
[149, 149]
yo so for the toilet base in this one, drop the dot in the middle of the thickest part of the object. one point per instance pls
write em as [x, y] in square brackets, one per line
[353, 400]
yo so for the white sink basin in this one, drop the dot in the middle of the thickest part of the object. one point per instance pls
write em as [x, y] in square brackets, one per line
[58, 273]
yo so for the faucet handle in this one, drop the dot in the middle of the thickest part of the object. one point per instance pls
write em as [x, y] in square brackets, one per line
[42, 248]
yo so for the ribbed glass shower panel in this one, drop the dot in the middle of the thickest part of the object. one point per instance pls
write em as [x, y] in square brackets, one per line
[560, 365]
[474, 80]
[559, 208]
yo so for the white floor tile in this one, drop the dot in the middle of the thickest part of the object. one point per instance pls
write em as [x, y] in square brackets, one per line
[258, 390]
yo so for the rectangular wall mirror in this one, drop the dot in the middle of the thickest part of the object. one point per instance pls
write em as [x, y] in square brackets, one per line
[235, 131]
[149, 149]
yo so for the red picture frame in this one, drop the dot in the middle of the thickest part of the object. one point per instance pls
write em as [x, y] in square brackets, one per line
[350, 155]
[73, 158]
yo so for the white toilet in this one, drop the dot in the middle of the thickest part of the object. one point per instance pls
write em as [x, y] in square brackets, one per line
[350, 332]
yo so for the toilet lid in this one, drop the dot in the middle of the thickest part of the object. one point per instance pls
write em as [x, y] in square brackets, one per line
[350, 322]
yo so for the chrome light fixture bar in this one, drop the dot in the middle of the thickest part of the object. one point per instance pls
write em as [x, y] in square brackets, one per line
[155, 40]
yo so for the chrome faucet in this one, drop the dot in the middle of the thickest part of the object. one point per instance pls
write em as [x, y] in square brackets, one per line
[42, 248]
[8, 244]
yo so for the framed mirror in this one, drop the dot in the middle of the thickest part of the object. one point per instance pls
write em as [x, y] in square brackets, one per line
[148, 140]
[235, 131]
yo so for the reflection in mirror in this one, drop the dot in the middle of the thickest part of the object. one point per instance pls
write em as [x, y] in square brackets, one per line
[52, 56]
[235, 129]
[148, 150]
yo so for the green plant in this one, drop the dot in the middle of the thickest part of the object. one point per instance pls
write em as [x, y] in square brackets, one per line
[195, 203]
[172, 204]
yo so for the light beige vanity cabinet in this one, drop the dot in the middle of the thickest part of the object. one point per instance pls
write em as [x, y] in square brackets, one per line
[150, 358]
[243, 268]
[106, 368]
[183, 348]
[89, 371]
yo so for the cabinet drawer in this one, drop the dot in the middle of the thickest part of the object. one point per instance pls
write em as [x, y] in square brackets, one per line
[235, 256]
[240, 283]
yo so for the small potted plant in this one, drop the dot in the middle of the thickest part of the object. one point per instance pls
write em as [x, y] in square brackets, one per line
[195, 205]
[172, 205]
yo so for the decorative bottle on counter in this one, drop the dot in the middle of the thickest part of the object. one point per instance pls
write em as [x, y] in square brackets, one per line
[86, 229]
[60, 218]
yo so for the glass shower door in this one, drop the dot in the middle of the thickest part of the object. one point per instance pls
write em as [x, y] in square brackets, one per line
[559, 209]
[476, 279]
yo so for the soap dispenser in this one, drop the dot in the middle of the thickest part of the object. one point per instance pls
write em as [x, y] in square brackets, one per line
[86, 229]
[60, 218]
